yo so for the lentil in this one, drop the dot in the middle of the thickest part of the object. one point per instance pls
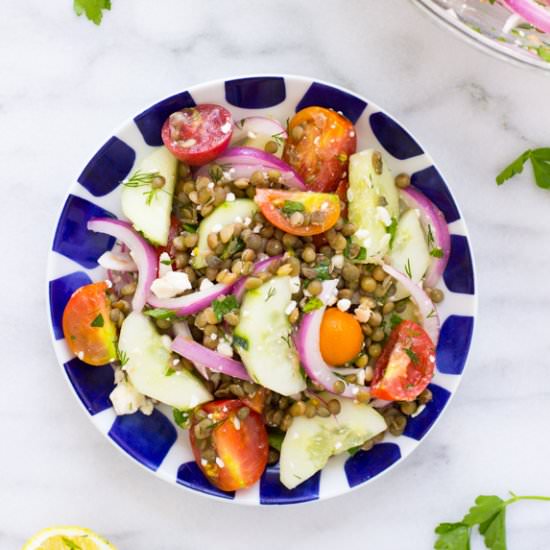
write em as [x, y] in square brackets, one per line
[402, 181]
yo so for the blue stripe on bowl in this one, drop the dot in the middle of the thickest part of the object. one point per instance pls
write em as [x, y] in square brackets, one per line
[92, 384]
[395, 139]
[430, 182]
[146, 438]
[190, 475]
[332, 98]
[258, 92]
[419, 425]
[459, 273]
[108, 167]
[365, 465]
[272, 491]
[60, 290]
[72, 238]
[151, 120]
[454, 342]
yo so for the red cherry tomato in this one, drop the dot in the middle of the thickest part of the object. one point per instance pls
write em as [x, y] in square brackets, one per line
[319, 211]
[173, 232]
[256, 401]
[197, 135]
[232, 453]
[87, 326]
[318, 147]
[406, 364]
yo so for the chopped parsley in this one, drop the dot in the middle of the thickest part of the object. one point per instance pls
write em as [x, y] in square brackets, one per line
[93, 9]
[412, 355]
[121, 355]
[190, 228]
[395, 320]
[289, 207]
[408, 269]
[312, 304]
[436, 252]
[161, 313]
[98, 322]
[166, 262]
[275, 438]
[270, 293]
[182, 418]
[169, 372]
[236, 244]
[240, 341]
[224, 305]
[322, 270]
[354, 450]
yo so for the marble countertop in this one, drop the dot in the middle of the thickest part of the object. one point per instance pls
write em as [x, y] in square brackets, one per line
[64, 84]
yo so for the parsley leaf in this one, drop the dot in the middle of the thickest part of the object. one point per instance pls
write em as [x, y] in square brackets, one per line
[182, 418]
[395, 320]
[98, 322]
[224, 305]
[436, 252]
[485, 508]
[289, 207]
[275, 438]
[494, 531]
[322, 270]
[354, 450]
[161, 313]
[412, 355]
[92, 9]
[190, 228]
[169, 372]
[540, 161]
[312, 304]
[240, 341]
[362, 254]
[452, 536]
[236, 244]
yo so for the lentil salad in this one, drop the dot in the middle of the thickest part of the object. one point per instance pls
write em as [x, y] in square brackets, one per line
[274, 286]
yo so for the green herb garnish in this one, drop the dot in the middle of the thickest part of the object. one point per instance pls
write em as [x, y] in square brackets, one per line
[395, 320]
[144, 179]
[270, 293]
[436, 252]
[169, 372]
[240, 341]
[489, 515]
[392, 230]
[354, 450]
[221, 306]
[362, 254]
[166, 262]
[121, 355]
[289, 207]
[182, 418]
[312, 304]
[275, 438]
[408, 269]
[161, 313]
[236, 244]
[412, 355]
[322, 270]
[92, 9]
[540, 161]
[98, 322]
[190, 228]
[279, 138]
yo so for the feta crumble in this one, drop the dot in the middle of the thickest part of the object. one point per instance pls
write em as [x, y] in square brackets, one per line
[171, 284]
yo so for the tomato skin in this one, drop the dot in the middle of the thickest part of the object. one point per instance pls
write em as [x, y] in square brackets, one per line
[271, 200]
[197, 135]
[406, 365]
[321, 153]
[95, 345]
[341, 337]
[256, 401]
[173, 232]
[241, 446]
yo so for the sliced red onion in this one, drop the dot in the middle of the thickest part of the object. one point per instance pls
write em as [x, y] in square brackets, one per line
[432, 219]
[308, 345]
[244, 161]
[196, 353]
[116, 262]
[191, 303]
[181, 328]
[532, 11]
[258, 125]
[428, 313]
[259, 267]
[142, 253]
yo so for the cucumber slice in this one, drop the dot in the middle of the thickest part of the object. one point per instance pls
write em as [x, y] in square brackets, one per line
[226, 214]
[149, 362]
[409, 253]
[373, 202]
[150, 213]
[263, 338]
[310, 442]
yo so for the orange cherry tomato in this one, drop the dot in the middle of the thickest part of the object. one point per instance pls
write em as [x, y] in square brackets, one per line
[233, 454]
[320, 211]
[256, 401]
[406, 364]
[87, 326]
[341, 336]
[318, 147]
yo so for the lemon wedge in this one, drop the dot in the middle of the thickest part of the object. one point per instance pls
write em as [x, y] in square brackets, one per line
[67, 538]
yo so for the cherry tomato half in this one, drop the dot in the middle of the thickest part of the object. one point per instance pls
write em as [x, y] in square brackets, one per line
[230, 447]
[197, 135]
[318, 147]
[406, 364]
[299, 212]
[87, 326]
[341, 336]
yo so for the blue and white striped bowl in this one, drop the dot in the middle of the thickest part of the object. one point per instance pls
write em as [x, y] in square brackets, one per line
[154, 441]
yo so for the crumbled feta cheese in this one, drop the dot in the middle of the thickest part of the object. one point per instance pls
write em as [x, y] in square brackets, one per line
[362, 234]
[332, 299]
[147, 408]
[166, 341]
[251, 135]
[418, 411]
[204, 462]
[119, 376]
[206, 284]
[291, 307]
[238, 219]
[382, 215]
[80, 355]
[108, 283]
[247, 221]
[236, 423]
[337, 261]
[230, 197]
[360, 376]
[257, 228]
[175, 362]
[126, 399]
[211, 185]
[214, 336]
[226, 128]
[217, 228]
[220, 462]
[165, 264]
[324, 206]
[344, 304]
[295, 284]
[338, 445]
[224, 347]
[363, 313]
[171, 284]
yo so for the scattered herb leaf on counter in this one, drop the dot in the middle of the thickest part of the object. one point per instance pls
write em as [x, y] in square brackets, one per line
[92, 9]
[540, 161]
[489, 514]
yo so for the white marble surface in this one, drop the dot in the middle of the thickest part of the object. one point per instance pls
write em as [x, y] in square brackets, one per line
[65, 83]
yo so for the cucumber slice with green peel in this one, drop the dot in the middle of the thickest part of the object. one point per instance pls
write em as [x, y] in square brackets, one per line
[410, 253]
[263, 339]
[148, 366]
[373, 202]
[310, 442]
[147, 208]
[226, 214]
